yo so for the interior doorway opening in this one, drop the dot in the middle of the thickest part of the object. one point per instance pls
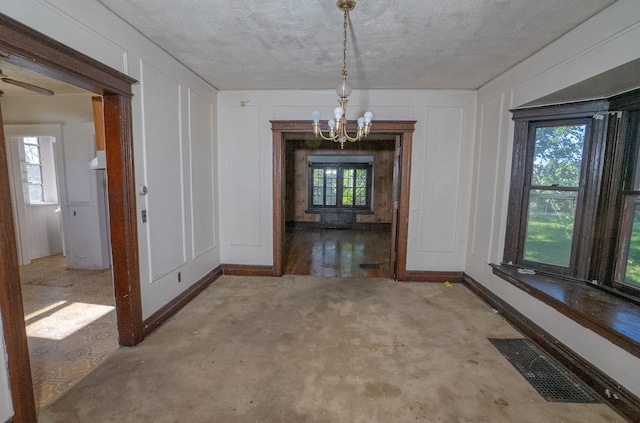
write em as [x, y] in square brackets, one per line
[60, 208]
[339, 206]
[401, 132]
[31, 50]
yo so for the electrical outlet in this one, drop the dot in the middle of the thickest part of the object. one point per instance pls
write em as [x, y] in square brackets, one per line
[179, 277]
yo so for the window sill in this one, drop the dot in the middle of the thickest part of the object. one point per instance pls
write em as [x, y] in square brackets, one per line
[612, 317]
[344, 210]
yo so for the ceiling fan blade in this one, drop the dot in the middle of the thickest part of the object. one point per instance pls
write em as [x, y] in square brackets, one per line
[27, 86]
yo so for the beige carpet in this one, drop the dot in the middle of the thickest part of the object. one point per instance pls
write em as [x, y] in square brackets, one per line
[306, 349]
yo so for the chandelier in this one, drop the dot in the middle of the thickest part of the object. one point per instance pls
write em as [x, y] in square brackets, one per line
[338, 126]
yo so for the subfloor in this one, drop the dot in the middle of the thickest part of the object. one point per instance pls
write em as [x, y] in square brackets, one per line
[310, 349]
[70, 322]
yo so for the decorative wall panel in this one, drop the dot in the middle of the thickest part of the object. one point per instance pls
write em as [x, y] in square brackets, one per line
[163, 160]
[485, 180]
[441, 179]
[245, 202]
[203, 169]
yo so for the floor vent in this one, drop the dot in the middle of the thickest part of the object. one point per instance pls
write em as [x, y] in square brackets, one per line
[552, 381]
[369, 266]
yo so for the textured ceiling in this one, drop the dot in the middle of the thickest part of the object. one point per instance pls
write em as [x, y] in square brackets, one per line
[297, 44]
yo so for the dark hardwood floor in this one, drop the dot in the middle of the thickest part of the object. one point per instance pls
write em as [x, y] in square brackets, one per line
[338, 252]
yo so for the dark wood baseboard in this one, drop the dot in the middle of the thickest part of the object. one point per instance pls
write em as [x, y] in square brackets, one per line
[621, 400]
[430, 276]
[165, 313]
[247, 270]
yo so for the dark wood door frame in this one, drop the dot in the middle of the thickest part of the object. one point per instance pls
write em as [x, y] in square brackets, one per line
[280, 128]
[25, 47]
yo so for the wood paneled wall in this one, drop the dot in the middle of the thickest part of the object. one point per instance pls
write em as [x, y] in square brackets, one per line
[296, 183]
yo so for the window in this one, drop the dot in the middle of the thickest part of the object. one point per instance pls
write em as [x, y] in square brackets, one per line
[340, 186]
[574, 204]
[33, 168]
[627, 266]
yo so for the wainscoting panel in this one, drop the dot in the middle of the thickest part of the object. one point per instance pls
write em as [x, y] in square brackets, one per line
[245, 201]
[441, 179]
[163, 159]
[203, 168]
[485, 178]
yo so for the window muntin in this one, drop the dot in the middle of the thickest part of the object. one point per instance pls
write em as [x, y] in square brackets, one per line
[340, 186]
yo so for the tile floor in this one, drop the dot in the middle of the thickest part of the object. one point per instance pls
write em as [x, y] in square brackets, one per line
[70, 320]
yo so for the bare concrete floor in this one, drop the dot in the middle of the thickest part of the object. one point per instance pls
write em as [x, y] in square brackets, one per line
[306, 349]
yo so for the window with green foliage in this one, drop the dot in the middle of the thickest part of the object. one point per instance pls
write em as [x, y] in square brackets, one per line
[340, 186]
[574, 203]
[553, 193]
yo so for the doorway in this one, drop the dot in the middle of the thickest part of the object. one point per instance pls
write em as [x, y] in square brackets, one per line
[29, 49]
[339, 206]
[402, 132]
[60, 213]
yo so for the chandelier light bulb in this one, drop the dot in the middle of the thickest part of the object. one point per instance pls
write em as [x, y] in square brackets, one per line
[315, 115]
[338, 112]
[360, 122]
[367, 117]
[331, 123]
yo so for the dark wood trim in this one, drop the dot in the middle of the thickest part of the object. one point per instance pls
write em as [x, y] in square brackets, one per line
[279, 130]
[620, 399]
[596, 323]
[562, 111]
[158, 318]
[402, 234]
[123, 218]
[431, 276]
[248, 270]
[11, 307]
[279, 198]
[28, 48]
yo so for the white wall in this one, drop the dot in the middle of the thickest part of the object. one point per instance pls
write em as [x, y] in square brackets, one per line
[68, 119]
[174, 127]
[440, 171]
[610, 39]
[174, 141]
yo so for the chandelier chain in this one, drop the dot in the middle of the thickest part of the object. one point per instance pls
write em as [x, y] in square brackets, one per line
[344, 46]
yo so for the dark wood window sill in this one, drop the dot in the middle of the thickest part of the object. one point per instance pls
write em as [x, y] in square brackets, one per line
[611, 316]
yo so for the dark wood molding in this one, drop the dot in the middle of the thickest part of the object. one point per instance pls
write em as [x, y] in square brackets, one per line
[431, 276]
[279, 130]
[123, 218]
[158, 318]
[563, 111]
[11, 307]
[249, 270]
[28, 48]
[546, 288]
[620, 399]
